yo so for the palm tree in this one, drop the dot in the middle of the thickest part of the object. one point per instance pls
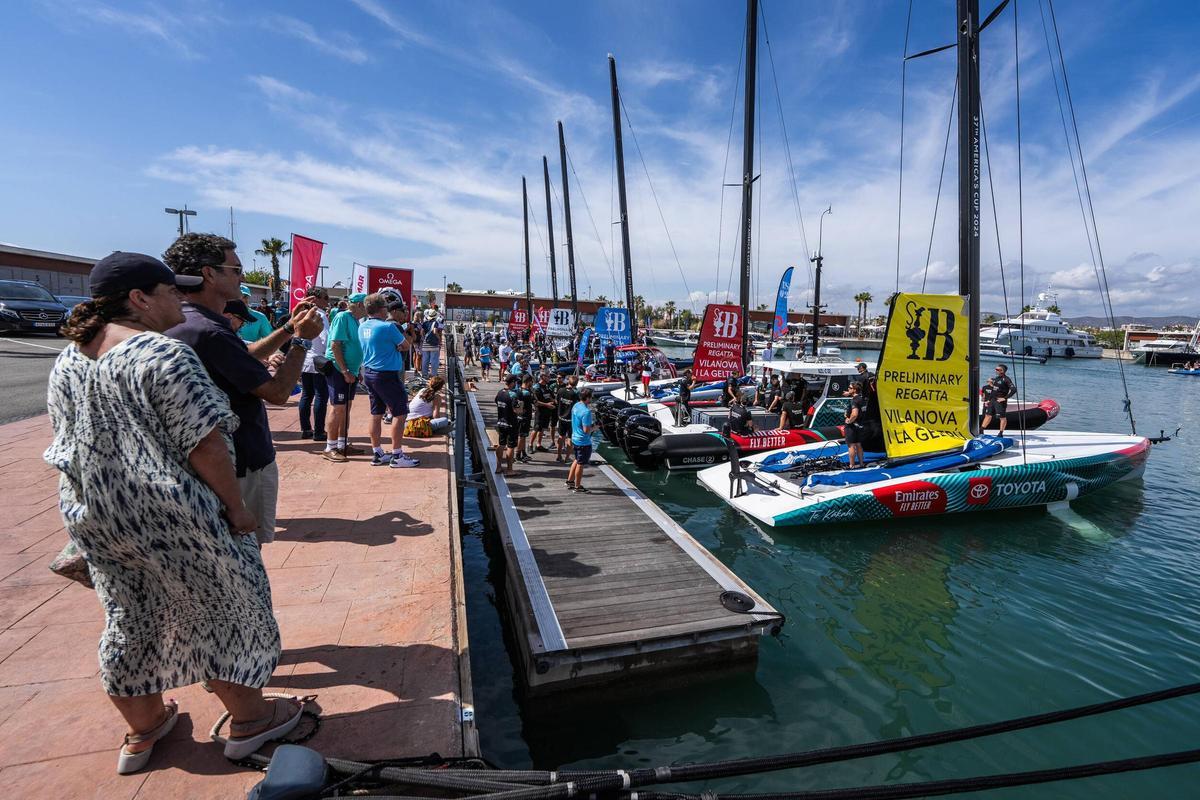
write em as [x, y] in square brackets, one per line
[867, 299]
[685, 318]
[601, 299]
[669, 310]
[276, 249]
[452, 286]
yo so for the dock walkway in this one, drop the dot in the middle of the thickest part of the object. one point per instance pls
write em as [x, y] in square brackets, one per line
[605, 583]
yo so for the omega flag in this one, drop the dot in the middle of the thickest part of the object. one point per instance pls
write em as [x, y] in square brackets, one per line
[719, 353]
[306, 260]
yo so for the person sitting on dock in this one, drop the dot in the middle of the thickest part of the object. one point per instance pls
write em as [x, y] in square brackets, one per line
[997, 405]
[507, 425]
[582, 425]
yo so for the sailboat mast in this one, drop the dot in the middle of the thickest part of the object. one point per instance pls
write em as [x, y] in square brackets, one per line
[748, 170]
[550, 233]
[616, 109]
[528, 284]
[562, 158]
[969, 187]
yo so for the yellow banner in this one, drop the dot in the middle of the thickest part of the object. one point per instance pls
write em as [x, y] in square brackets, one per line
[923, 375]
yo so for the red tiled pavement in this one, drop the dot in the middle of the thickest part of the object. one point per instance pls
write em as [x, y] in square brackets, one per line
[361, 575]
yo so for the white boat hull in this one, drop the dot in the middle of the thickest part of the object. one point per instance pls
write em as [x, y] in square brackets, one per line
[1050, 467]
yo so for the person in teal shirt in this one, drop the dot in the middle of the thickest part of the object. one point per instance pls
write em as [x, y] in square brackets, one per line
[344, 352]
[582, 425]
[260, 328]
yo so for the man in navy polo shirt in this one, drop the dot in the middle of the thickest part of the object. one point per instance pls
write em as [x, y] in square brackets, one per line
[383, 368]
[237, 368]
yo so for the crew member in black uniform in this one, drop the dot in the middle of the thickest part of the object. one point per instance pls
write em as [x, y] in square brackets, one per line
[507, 425]
[525, 415]
[791, 413]
[854, 425]
[543, 399]
[610, 354]
[741, 421]
[566, 398]
[997, 405]
[683, 409]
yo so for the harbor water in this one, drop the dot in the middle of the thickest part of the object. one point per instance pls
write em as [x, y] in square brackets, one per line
[917, 626]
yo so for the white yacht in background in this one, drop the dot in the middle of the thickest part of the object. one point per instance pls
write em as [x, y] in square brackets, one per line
[1041, 332]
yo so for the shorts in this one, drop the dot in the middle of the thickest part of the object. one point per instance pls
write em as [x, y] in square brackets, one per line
[503, 368]
[545, 419]
[260, 495]
[523, 428]
[340, 392]
[995, 408]
[564, 427]
[583, 454]
[854, 433]
[387, 392]
[507, 435]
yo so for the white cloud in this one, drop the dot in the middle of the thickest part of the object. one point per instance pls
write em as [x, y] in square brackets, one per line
[176, 27]
[335, 43]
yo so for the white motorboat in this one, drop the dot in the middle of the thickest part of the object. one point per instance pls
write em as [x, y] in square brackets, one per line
[1041, 332]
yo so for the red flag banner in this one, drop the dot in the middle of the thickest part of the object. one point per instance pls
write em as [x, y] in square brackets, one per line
[306, 260]
[518, 321]
[719, 352]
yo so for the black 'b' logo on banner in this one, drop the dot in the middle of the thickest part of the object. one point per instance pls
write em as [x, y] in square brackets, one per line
[931, 327]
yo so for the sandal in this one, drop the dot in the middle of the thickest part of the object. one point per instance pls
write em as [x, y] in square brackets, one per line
[131, 762]
[270, 728]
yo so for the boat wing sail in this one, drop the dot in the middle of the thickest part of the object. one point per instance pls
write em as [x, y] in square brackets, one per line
[923, 375]
[719, 353]
[779, 325]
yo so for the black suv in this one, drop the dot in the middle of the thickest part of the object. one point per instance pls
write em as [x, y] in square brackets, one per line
[27, 306]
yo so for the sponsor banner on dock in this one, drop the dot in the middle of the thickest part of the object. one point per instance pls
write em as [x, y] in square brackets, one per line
[541, 318]
[612, 325]
[779, 323]
[518, 320]
[923, 375]
[719, 352]
[306, 260]
[562, 323]
[370, 279]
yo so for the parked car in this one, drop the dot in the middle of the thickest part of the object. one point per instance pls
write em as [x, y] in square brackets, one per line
[27, 306]
[71, 300]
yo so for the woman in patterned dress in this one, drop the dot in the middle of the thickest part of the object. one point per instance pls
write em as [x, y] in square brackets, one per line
[149, 495]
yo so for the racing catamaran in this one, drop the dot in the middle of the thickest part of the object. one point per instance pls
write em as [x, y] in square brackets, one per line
[933, 460]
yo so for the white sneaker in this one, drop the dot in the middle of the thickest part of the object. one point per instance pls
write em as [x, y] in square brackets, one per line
[402, 461]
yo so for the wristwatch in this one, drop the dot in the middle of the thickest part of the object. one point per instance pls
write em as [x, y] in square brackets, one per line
[303, 344]
[289, 327]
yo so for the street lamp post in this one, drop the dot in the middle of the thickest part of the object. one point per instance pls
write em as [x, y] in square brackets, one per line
[818, 259]
[181, 213]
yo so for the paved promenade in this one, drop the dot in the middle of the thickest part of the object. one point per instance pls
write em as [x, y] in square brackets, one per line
[361, 575]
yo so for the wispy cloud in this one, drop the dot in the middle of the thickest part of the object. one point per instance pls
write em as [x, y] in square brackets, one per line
[334, 43]
[177, 29]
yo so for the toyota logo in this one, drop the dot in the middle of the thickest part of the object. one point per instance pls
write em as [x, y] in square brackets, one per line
[979, 491]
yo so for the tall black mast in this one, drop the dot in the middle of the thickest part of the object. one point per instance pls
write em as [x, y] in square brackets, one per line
[616, 108]
[968, 186]
[562, 157]
[550, 232]
[528, 285]
[748, 170]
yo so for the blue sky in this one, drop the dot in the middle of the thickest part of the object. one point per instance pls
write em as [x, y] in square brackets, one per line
[398, 132]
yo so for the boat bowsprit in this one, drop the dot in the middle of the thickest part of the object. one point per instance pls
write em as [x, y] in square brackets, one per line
[1036, 469]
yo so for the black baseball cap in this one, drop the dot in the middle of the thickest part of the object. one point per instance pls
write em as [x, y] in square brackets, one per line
[510, 378]
[121, 272]
[239, 309]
